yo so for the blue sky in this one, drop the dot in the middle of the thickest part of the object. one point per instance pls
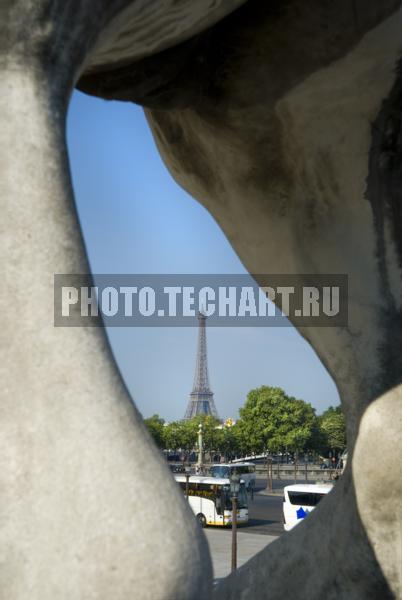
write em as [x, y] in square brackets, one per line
[136, 219]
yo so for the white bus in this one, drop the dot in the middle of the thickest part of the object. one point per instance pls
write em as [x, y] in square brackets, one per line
[300, 499]
[211, 501]
[246, 470]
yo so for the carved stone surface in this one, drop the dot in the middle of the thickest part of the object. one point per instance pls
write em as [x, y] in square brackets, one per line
[284, 120]
[88, 509]
[296, 151]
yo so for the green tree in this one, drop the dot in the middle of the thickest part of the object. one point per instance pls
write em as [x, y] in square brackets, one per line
[155, 426]
[180, 435]
[318, 439]
[210, 433]
[227, 441]
[271, 420]
[333, 428]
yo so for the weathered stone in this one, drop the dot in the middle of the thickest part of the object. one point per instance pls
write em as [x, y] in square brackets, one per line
[88, 509]
[283, 119]
[290, 151]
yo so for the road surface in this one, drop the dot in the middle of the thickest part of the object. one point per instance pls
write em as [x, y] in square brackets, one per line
[265, 511]
[264, 526]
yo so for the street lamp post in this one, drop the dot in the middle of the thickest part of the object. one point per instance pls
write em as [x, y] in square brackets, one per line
[269, 473]
[200, 466]
[234, 491]
[187, 471]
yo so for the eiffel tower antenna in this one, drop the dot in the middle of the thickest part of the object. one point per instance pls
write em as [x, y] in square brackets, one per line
[201, 400]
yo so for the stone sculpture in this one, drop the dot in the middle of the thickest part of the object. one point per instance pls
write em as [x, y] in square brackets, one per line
[284, 120]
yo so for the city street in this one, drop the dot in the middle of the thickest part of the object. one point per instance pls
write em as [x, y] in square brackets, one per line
[265, 511]
[220, 541]
[264, 526]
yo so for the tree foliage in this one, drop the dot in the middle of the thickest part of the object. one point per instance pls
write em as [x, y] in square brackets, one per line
[183, 435]
[274, 422]
[270, 421]
[155, 426]
[333, 428]
[180, 435]
[210, 433]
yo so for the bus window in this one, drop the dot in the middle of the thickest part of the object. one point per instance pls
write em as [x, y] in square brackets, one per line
[227, 498]
[305, 499]
[222, 472]
[218, 503]
[240, 470]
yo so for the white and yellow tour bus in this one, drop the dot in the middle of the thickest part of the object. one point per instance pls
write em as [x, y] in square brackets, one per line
[211, 502]
[300, 499]
[246, 470]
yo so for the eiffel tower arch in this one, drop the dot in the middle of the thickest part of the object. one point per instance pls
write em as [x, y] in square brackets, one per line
[201, 400]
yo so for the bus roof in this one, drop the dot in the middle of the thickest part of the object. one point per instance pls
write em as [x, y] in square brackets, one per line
[201, 479]
[318, 488]
[237, 464]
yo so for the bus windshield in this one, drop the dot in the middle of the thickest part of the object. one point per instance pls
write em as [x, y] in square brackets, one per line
[304, 498]
[244, 469]
[222, 472]
[227, 498]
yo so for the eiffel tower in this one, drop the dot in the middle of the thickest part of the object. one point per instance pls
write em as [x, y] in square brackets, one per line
[201, 398]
